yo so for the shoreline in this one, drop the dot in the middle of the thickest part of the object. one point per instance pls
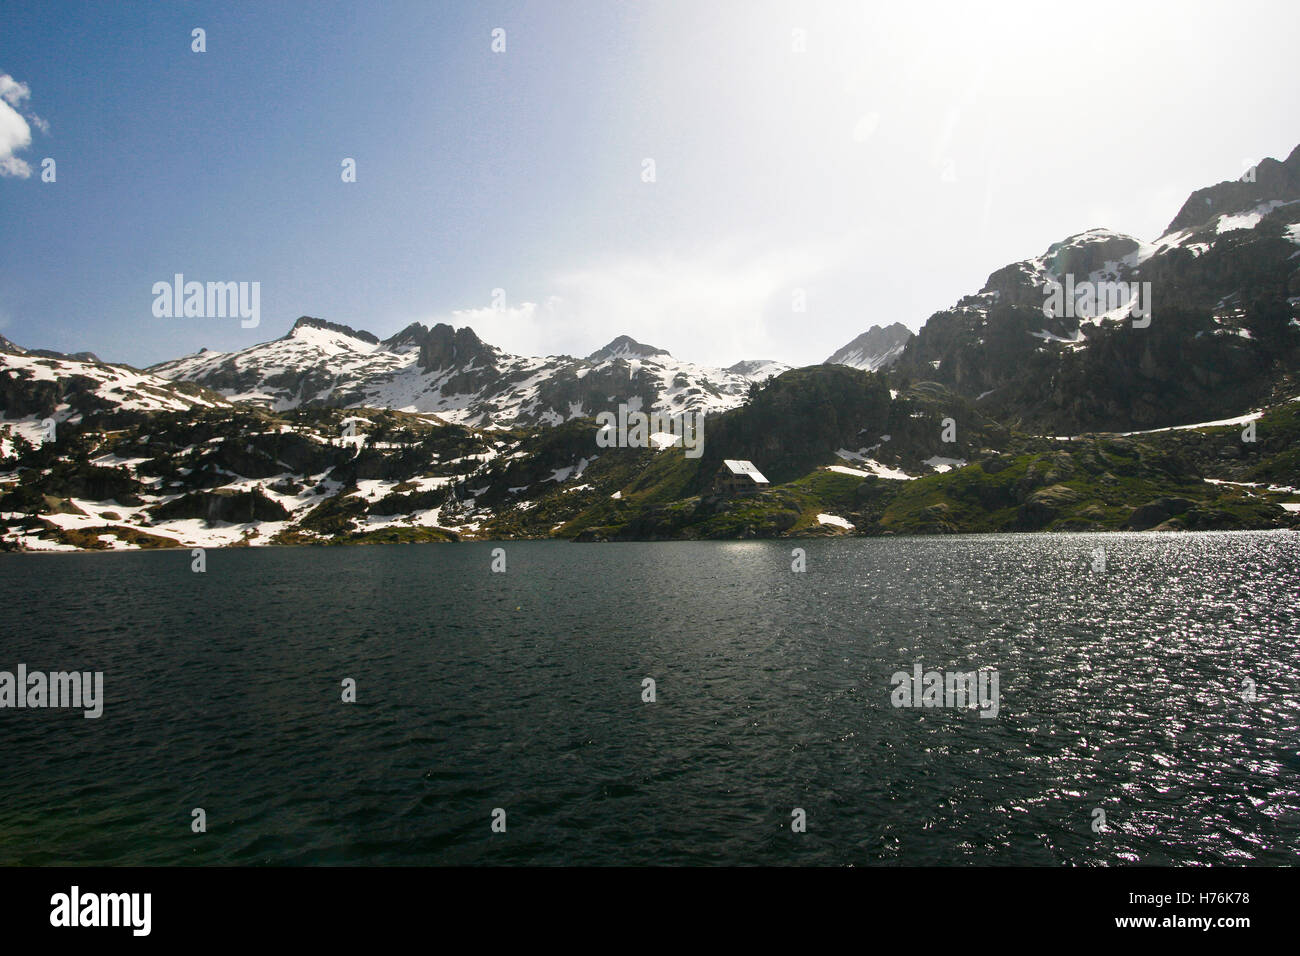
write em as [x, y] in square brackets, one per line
[1172, 532]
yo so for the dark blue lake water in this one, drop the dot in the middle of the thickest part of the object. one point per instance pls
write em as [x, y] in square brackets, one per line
[1126, 691]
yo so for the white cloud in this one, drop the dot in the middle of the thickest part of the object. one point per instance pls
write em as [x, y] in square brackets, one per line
[715, 304]
[515, 328]
[15, 133]
[13, 92]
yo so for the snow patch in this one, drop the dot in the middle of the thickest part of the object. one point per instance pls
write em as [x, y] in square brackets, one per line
[834, 521]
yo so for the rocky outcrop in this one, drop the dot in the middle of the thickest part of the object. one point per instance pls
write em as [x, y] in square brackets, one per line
[1156, 512]
[235, 507]
[1269, 180]
[444, 347]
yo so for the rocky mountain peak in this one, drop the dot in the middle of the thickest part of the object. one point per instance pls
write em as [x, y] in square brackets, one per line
[1093, 252]
[625, 347]
[876, 348]
[310, 322]
[446, 347]
[10, 348]
[1268, 181]
[414, 334]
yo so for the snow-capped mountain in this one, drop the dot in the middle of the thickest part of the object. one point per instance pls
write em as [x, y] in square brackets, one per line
[878, 347]
[1269, 181]
[1220, 291]
[625, 347]
[758, 369]
[455, 375]
[36, 385]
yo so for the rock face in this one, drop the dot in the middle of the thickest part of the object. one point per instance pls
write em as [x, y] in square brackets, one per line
[1042, 506]
[222, 505]
[878, 347]
[1157, 512]
[444, 347]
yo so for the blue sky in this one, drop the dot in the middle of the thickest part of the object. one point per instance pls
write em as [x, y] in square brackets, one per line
[906, 153]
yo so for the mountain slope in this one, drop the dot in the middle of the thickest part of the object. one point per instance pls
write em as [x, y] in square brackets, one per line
[878, 347]
[39, 385]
